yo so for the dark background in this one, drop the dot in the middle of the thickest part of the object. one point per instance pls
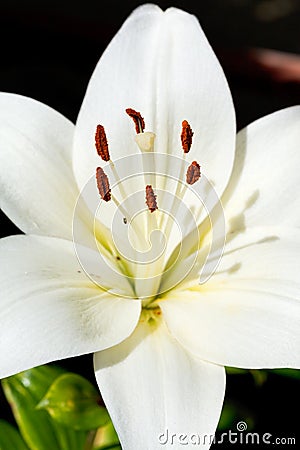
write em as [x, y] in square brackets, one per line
[49, 50]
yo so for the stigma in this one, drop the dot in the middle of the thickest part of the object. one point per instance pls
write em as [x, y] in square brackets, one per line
[145, 141]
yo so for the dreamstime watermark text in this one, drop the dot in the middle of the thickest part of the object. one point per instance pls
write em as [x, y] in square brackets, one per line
[232, 437]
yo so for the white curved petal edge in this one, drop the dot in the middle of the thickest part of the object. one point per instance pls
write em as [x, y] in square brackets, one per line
[37, 185]
[248, 314]
[50, 310]
[161, 64]
[265, 180]
[154, 389]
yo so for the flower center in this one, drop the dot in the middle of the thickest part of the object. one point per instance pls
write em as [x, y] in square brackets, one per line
[151, 228]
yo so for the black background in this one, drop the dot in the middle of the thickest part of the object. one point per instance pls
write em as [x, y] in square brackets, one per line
[49, 50]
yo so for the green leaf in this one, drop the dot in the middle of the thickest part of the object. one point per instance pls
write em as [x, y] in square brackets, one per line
[106, 438]
[110, 447]
[73, 401]
[233, 411]
[228, 416]
[24, 391]
[291, 373]
[259, 376]
[10, 438]
[235, 371]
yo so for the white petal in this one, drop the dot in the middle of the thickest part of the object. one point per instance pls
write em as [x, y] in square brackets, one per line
[49, 308]
[153, 388]
[38, 190]
[248, 314]
[263, 187]
[160, 64]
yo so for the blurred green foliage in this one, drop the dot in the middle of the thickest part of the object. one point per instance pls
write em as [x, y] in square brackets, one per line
[73, 401]
[61, 410]
[55, 409]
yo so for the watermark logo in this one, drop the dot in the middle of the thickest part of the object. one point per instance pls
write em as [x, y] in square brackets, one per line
[239, 436]
[241, 426]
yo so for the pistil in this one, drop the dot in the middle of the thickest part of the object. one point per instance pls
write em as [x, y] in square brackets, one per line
[145, 142]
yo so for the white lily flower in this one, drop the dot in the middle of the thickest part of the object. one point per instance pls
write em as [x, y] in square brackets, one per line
[161, 339]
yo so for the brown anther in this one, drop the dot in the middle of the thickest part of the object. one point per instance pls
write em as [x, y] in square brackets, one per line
[103, 184]
[101, 143]
[186, 136]
[138, 120]
[150, 198]
[193, 173]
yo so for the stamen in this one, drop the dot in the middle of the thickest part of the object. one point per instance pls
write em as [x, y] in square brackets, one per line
[103, 184]
[101, 143]
[138, 120]
[150, 198]
[186, 136]
[193, 173]
[186, 141]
